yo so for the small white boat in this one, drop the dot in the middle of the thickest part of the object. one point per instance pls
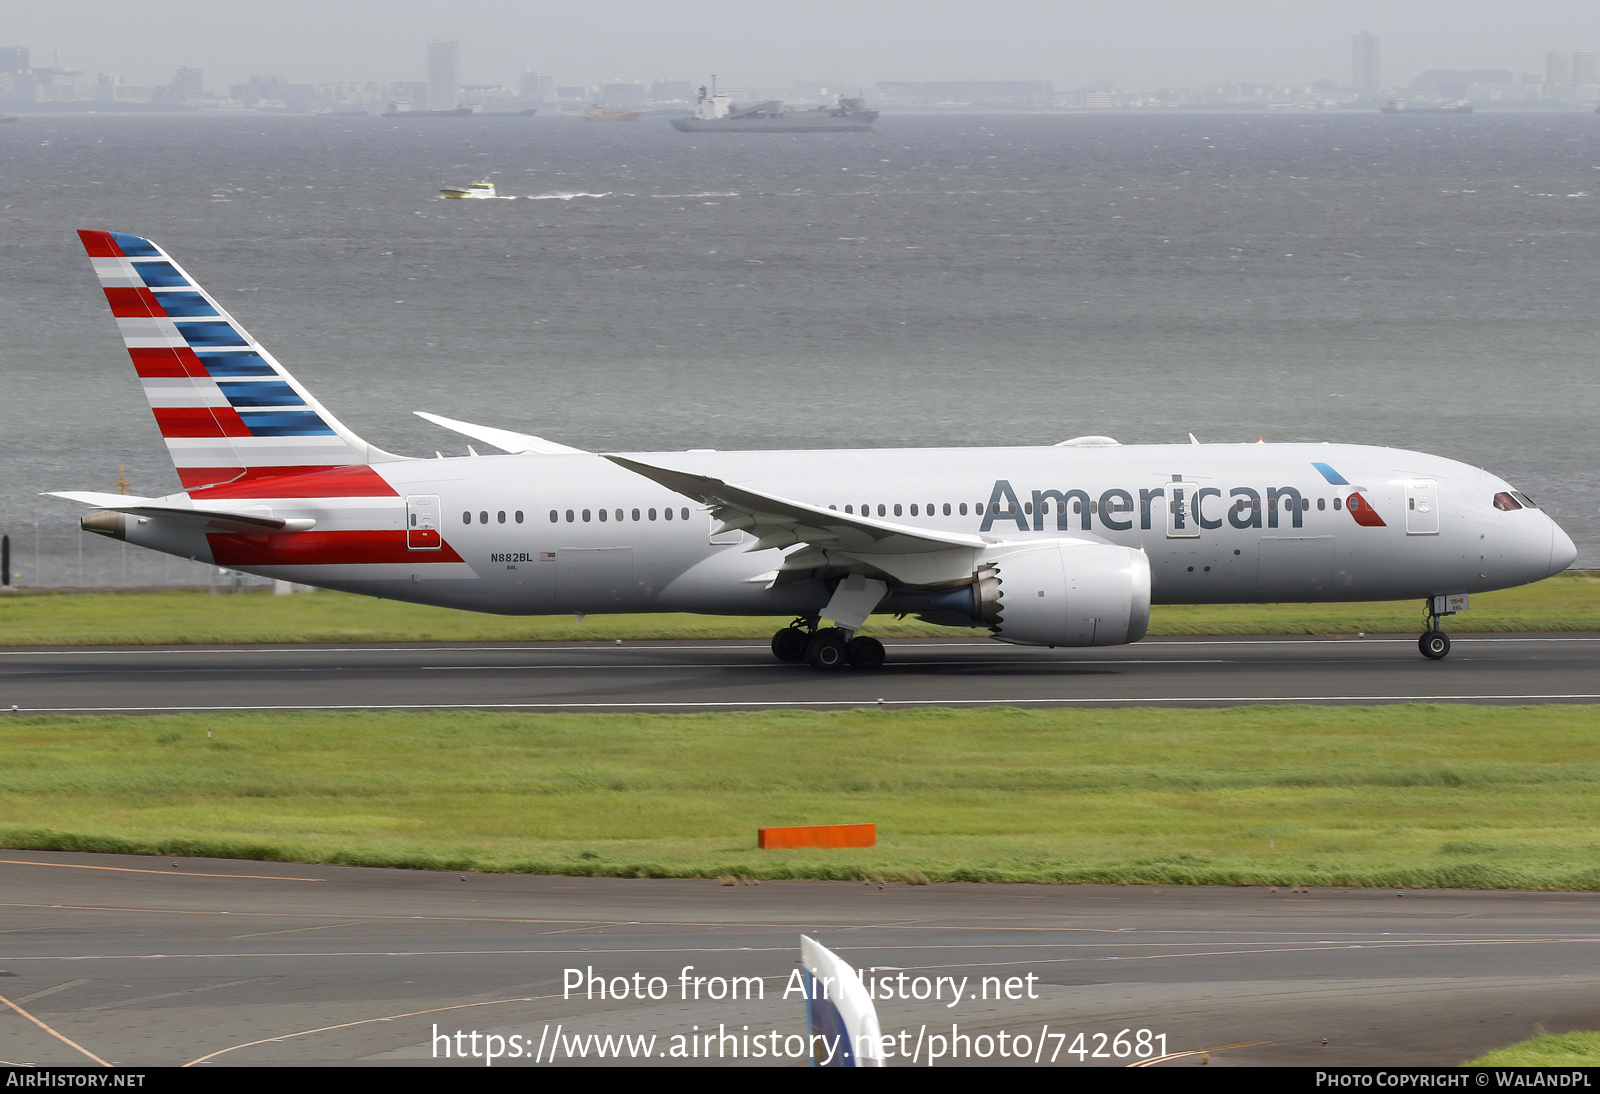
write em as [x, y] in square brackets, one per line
[484, 189]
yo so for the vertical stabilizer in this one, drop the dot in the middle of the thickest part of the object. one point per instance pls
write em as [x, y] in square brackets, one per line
[228, 411]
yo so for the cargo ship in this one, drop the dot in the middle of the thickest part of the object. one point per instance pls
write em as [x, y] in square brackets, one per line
[1400, 106]
[715, 113]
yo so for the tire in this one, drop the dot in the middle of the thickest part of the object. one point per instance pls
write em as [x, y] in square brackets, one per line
[867, 653]
[1434, 645]
[790, 644]
[828, 651]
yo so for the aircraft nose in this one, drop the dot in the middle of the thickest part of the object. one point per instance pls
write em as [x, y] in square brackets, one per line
[1563, 552]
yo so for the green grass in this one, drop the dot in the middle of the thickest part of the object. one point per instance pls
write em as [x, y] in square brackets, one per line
[1553, 1050]
[1570, 602]
[1403, 796]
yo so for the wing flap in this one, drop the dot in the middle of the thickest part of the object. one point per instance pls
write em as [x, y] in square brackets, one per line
[830, 542]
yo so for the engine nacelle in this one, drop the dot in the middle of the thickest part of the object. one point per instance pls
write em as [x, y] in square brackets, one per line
[1072, 594]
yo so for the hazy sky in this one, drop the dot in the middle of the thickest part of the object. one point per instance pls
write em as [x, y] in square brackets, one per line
[1136, 43]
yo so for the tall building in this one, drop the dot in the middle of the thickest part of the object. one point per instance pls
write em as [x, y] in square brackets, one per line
[536, 87]
[1572, 77]
[186, 85]
[444, 75]
[1364, 76]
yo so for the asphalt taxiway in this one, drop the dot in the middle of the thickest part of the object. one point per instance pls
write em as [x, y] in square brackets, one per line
[679, 676]
[144, 961]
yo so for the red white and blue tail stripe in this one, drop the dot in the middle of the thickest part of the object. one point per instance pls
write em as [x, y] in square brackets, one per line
[230, 414]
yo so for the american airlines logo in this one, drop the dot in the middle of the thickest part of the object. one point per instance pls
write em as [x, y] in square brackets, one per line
[1187, 507]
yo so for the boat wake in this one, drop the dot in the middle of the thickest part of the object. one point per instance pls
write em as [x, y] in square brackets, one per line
[568, 195]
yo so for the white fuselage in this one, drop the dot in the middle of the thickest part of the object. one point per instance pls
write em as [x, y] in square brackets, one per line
[1219, 523]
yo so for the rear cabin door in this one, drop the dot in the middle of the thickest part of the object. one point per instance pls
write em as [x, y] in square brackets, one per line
[422, 522]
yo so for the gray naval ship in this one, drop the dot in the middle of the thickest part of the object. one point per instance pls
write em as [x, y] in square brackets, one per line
[715, 113]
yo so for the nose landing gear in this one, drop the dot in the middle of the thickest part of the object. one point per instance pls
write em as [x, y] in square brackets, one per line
[1434, 643]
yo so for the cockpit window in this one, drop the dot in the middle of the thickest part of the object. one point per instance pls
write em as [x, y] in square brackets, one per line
[1506, 502]
[1524, 499]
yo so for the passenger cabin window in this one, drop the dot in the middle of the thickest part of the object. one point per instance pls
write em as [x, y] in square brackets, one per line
[500, 517]
[651, 514]
[483, 517]
[1506, 502]
[947, 509]
[586, 516]
[554, 516]
[519, 516]
[569, 516]
[684, 513]
[466, 518]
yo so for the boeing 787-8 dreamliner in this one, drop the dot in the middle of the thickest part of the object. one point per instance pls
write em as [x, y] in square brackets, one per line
[1067, 545]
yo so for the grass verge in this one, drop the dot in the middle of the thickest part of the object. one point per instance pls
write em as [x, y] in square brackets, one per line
[1569, 602]
[1402, 796]
[1553, 1050]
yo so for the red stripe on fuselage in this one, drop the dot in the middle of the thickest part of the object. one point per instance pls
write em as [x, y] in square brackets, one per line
[200, 421]
[321, 549]
[130, 303]
[166, 362]
[99, 244]
[354, 481]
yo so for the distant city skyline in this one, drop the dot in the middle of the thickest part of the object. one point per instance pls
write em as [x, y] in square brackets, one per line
[1165, 43]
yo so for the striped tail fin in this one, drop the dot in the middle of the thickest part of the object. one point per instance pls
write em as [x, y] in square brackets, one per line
[230, 413]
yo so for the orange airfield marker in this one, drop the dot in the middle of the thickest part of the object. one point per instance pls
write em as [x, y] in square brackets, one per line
[818, 835]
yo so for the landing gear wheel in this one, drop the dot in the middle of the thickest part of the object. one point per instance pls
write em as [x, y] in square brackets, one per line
[790, 644]
[867, 653]
[1434, 645]
[828, 651]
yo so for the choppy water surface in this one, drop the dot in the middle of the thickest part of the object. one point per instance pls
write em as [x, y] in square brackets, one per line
[1426, 283]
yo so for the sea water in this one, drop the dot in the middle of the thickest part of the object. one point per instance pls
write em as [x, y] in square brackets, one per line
[1426, 282]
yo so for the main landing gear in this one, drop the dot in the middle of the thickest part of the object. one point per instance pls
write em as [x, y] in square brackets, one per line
[826, 648]
[1434, 643]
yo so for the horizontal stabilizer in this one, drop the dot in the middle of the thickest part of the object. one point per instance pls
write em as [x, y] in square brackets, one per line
[235, 520]
[520, 444]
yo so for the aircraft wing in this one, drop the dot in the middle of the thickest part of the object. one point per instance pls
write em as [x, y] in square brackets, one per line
[213, 519]
[520, 444]
[832, 542]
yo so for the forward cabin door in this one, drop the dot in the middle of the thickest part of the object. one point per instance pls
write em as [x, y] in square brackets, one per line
[422, 522]
[1422, 507]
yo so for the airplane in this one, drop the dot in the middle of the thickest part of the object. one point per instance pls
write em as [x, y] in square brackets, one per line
[1066, 545]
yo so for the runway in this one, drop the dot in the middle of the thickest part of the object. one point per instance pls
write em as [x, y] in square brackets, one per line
[681, 676]
[222, 962]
